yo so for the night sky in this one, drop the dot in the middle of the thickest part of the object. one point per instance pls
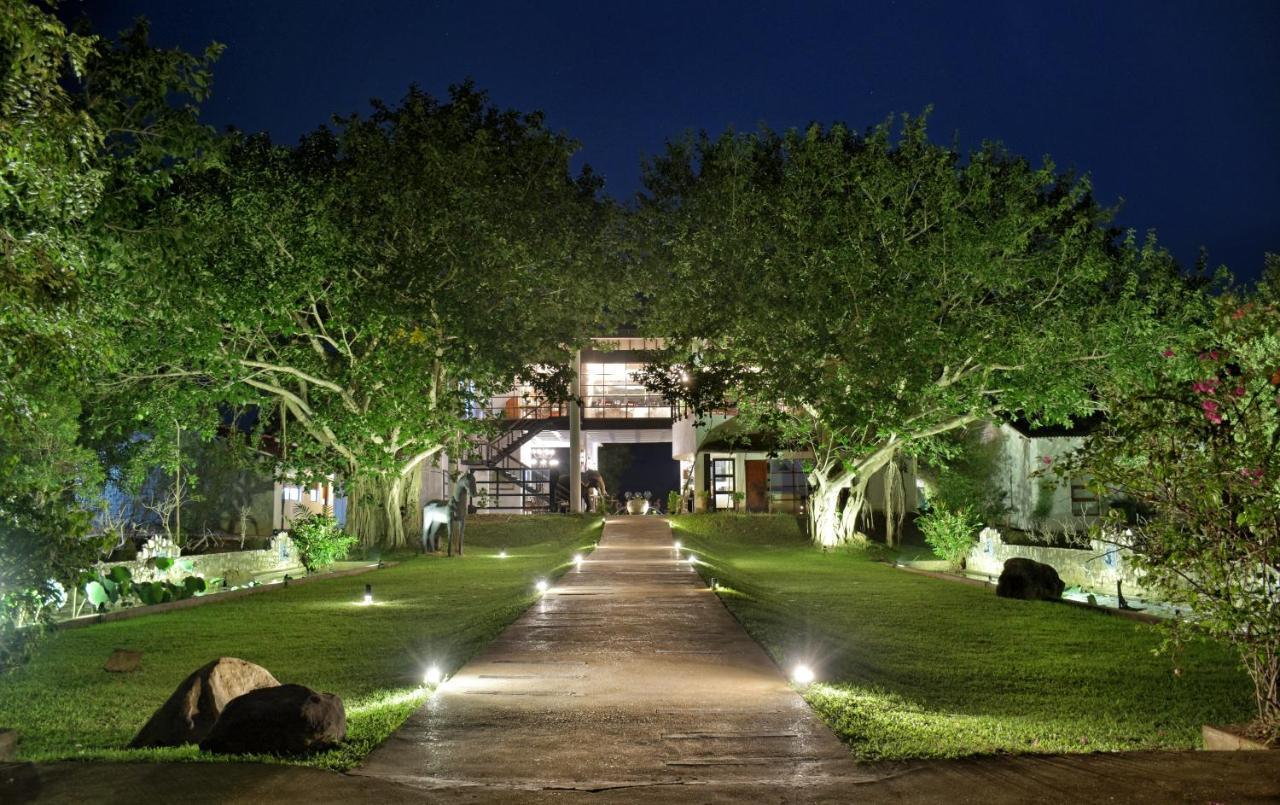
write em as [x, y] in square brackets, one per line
[1173, 107]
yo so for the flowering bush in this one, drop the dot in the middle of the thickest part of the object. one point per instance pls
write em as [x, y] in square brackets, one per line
[1198, 449]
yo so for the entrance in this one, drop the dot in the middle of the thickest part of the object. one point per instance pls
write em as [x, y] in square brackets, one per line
[757, 485]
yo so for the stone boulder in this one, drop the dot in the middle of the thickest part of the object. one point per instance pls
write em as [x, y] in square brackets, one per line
[285, 720]
[1029, 580]
[195, 706]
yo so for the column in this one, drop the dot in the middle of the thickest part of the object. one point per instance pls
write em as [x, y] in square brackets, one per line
[575, 437]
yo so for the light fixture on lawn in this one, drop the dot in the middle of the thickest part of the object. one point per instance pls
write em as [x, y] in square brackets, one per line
[715, 585]
[432, 676]
[502, 554]
[677, 546]
[577, 559]
[541, 585]
[368, 594]
[802, 675]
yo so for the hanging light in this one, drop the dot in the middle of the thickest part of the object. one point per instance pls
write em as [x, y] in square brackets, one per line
[368, 594]
[432, 676]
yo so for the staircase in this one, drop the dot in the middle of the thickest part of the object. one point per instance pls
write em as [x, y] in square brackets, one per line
[503, 477]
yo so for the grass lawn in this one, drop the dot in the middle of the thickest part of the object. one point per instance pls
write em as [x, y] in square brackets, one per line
[427, 610]
[911, 666]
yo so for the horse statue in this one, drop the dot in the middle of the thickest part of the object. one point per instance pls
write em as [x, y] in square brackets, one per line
[450, 514]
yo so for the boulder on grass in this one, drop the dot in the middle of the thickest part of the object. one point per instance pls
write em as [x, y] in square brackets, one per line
[285, 720]
[194, 707]
[1029, 580]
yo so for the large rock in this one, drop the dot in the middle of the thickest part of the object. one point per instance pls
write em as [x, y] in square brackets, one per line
[194, 707]
[286, 720]
[1029, 580]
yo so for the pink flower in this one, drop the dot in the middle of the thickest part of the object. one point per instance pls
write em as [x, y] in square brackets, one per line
[1240, 312]
[1210, 355]
[1237, 392]
[1252, 474]
[1211, 411]
[1168, 353]
[1205, 386]
[1046, 460]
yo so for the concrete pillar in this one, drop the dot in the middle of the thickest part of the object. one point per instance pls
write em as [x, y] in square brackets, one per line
[575, 438]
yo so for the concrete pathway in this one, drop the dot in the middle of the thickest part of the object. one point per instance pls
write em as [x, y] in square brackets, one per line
[628, 673]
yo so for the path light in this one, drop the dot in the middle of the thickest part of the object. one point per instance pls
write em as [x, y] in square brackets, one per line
[502, 554]
[802, 675]
[542, 585]
[677, 546]
[368, 594]
[715, 585]
[432, 676]
[577, 559]
[693, 560]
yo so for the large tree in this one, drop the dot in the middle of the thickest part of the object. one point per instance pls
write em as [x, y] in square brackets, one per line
[865, 295]
[367, 288]
[89, 130]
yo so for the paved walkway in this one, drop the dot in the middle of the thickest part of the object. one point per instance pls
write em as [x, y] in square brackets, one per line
[629, 682]
[628, 673]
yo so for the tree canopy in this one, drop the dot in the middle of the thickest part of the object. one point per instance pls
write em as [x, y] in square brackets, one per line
[865, 294]
[368, 288]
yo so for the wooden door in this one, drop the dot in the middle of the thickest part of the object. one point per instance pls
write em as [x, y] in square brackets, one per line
[757, 486]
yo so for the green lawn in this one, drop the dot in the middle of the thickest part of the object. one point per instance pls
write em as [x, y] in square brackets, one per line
[427, 610]
[911, 666]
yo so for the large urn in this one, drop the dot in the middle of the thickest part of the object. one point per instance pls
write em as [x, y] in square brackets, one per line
[637, 506]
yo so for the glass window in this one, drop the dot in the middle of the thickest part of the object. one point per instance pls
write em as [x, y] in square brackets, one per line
[788, 485]
[722, 483]
[292, 493]
[611, 391]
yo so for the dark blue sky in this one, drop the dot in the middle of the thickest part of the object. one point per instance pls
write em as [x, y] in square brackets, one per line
[1172, 106]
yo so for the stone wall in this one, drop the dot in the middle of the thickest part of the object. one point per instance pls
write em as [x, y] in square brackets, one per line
[1096, 568]
[280, 556]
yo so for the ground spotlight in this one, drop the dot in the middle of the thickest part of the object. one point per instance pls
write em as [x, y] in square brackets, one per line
[542, 585]
[802, 675]
[432, 676]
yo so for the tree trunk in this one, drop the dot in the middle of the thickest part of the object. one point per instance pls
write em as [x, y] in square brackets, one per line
[384, 511]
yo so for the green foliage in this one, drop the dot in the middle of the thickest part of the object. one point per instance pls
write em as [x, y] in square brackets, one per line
[320, 540]
[675, 502]
[961, 474]
[910, 290]
[85, 140]
[337, 286]
[1197, 447]
[911, 666]
[950, 532]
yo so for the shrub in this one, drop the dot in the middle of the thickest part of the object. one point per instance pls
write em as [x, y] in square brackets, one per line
[320, 540]
[950, 533]
[675, 502]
